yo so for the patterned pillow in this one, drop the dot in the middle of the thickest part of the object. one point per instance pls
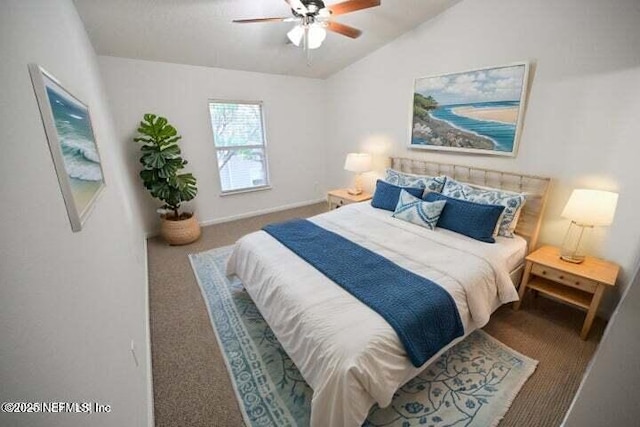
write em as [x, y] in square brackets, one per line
[416, 211]
[430, 183]
[511, 201]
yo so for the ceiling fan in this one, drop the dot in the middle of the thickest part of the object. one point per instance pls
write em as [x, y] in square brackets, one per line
[313, 18]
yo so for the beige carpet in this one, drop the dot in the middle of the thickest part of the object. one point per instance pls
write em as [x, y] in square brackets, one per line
[192, 386]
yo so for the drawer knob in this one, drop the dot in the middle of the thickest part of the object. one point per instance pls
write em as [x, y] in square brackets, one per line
[561, 277]
[577, 283]
[544, 272]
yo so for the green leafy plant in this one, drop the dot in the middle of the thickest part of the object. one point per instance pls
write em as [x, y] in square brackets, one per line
[161, 162]
[423, 104]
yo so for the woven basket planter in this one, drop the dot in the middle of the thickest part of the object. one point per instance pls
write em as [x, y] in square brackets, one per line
[180, 232]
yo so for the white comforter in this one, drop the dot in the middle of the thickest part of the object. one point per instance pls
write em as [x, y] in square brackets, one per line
[345, 351]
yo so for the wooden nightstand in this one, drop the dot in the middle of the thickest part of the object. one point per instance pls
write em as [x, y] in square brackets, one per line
[581, 285]
[341, 197]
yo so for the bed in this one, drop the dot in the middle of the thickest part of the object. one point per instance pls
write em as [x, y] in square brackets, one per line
[349, 355]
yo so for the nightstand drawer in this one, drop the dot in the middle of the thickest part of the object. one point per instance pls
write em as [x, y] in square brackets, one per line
[342, 197]
[565, 278]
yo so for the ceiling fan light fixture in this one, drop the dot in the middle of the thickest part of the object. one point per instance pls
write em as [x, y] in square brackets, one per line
[296, 34]
[316, 35]
[315, 32]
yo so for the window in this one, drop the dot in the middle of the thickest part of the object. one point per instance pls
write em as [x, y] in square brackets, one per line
[238, 136]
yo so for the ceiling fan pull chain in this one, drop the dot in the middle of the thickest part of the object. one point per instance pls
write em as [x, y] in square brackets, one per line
[306, 43]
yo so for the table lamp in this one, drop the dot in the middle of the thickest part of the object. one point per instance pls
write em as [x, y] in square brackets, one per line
[358, 163]
[586, 209]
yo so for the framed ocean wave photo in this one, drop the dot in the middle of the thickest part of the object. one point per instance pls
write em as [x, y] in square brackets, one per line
[479, 111]
[72, 143]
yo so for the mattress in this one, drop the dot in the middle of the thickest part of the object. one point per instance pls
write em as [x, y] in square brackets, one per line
[346, 352]
[510, 250]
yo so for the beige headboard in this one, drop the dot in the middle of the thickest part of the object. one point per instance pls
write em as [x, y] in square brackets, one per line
[535, 187]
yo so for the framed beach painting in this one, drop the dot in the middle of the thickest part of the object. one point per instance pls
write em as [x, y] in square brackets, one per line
[67, 125]
[479, 111]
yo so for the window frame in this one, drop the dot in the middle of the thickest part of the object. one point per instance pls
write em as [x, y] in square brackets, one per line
[267, 173]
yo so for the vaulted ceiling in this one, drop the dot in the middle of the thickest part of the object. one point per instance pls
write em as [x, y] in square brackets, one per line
[200, 32]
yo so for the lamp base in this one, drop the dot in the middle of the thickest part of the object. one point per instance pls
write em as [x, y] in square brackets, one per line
[571, 250]
[357, 188]
[575, 259]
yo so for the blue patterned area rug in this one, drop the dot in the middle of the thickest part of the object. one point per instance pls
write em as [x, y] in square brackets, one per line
[472, 384]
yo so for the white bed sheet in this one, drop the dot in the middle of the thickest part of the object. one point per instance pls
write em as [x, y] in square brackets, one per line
[346, 352]
[512, 250]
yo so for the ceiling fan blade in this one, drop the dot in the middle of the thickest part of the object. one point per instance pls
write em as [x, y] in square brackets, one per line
[352, 6]
[345, 30]
[298, 6]
[250, 21]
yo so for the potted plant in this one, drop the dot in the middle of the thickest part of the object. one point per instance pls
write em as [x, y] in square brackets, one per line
[161, 166]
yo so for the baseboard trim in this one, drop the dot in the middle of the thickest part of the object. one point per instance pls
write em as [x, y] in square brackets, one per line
[147, 309]
[155, 233]
[260, 212]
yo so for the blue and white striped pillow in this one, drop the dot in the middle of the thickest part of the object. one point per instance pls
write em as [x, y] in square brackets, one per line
[416, 211]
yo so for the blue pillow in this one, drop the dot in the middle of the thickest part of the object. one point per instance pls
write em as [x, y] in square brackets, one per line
[511, 201]
[475, 220]
[386, 195]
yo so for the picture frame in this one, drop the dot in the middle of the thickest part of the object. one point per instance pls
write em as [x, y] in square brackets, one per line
[479, 111]
[72, 143]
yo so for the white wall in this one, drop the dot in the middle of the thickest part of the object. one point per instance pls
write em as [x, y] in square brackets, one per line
[70, 303]
[581, 126]
[608, 395]
[295, 128]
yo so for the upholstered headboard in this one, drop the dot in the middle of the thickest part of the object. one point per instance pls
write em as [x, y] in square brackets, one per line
[535, 187]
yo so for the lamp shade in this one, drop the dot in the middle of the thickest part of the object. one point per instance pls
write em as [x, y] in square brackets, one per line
[358, 162]
[296, 34]
[591, 207]
[314, 32]
[316, 35]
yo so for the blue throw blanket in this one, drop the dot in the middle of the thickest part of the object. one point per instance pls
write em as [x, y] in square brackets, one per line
[422, 313]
